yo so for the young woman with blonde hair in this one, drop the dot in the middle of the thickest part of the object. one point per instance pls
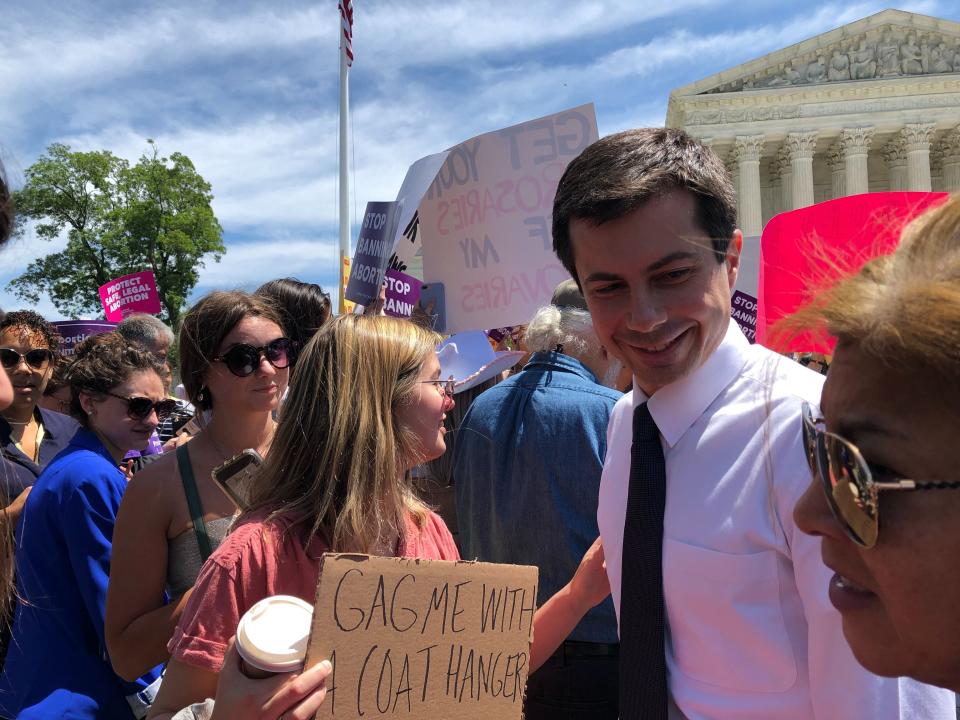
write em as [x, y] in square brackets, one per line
[366, 404]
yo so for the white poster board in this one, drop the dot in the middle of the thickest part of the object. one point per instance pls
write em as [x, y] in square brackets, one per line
[485, 222]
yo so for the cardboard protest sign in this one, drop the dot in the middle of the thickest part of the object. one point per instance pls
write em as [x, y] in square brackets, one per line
[374, 247]
[423, 639]
[485, 222]
[74, 332]
[806, 250]
[403, 291]
[134, 293]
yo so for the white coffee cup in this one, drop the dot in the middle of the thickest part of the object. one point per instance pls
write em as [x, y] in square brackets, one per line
[272, 636]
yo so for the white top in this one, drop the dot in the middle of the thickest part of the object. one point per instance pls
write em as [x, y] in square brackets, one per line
[752, 633]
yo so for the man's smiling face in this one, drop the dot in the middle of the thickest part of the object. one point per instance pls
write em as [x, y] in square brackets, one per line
[660, 301]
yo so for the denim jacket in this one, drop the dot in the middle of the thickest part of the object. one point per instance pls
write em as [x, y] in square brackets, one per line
[527, 466]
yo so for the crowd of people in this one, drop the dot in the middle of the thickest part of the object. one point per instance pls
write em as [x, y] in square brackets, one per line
[704, 512]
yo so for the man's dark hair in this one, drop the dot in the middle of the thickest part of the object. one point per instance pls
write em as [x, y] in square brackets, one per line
[619, 173]
[35, 324]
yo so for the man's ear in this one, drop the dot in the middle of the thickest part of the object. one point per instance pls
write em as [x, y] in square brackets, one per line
[732, 259]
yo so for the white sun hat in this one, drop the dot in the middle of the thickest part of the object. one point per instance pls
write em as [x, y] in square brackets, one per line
[469, 359]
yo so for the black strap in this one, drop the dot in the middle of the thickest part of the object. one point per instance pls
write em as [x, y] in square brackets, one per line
[643, 670]
[193, 502]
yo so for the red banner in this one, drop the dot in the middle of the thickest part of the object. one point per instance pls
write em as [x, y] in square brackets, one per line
[805, 251]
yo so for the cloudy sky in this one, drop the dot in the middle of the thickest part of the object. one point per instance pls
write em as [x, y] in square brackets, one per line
[248, 90]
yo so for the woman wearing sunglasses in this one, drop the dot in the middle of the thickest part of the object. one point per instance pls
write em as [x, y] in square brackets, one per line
[234, 361]
[30, 436]
[56, 664]
[885, 455]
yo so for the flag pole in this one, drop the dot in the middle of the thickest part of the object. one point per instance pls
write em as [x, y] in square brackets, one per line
[346, 60]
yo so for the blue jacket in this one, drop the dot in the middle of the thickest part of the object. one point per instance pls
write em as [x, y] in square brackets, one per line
[57, 665]
[17, 471]
[526, 472]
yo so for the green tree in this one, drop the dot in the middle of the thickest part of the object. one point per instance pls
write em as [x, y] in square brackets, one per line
[154, 215]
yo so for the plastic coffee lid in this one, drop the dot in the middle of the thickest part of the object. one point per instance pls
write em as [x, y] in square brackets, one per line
[273, 634]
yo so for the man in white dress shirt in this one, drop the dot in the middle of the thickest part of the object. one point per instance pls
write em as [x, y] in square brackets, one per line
[645, 221]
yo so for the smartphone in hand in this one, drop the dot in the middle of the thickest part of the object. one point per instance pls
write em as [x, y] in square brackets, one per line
[235, 476]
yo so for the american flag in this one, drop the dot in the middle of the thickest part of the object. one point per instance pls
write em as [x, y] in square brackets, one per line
[346, 24]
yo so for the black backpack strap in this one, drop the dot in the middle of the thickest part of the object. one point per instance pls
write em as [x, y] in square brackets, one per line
[193, 501]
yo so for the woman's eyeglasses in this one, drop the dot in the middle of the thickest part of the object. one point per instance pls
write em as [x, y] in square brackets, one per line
[38, 358]
[446, 387]
[243, 360]
[139, 408]
[851, 490]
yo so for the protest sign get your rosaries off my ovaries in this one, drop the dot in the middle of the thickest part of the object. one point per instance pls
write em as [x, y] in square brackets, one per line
[485, 222]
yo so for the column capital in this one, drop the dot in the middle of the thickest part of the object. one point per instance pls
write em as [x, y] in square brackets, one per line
[855, 141]
[895, 151]
[948, 149]
[917, 136]
[747, 148]
[800, 144]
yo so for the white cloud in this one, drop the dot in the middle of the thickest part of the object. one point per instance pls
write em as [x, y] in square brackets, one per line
[252, 263]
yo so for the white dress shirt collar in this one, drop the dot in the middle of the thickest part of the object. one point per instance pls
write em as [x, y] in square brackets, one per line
[676, 407]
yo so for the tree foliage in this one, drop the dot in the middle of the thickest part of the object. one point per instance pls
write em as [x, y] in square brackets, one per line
[120, 219]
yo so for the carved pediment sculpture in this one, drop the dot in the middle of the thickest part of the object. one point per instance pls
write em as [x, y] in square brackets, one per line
[881, 51]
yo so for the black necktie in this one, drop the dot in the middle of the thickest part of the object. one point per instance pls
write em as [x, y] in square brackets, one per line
[643, 668]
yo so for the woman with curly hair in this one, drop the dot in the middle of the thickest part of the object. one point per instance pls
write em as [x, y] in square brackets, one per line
[30, 436]
[57, 664]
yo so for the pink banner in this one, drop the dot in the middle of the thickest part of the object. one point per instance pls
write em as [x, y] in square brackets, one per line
[807, 250]
[134, 293]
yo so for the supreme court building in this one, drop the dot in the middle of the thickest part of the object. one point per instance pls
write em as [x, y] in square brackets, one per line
[867, 107]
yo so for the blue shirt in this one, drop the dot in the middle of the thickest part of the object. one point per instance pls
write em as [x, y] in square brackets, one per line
[57, 665]
[526, 471]
[17, 471]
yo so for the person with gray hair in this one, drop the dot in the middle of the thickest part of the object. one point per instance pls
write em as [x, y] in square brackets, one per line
[152, 334]
[527, 463]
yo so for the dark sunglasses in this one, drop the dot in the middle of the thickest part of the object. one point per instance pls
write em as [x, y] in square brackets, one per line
[852, 492]
[242, 359]
[139, 408]
[38, 358]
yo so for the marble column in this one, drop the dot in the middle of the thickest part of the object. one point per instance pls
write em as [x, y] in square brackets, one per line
[950, 160]
[896, 156]
[854, 143]
[746, 152]
[800, 147]
[916, 141]
[838, 175]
